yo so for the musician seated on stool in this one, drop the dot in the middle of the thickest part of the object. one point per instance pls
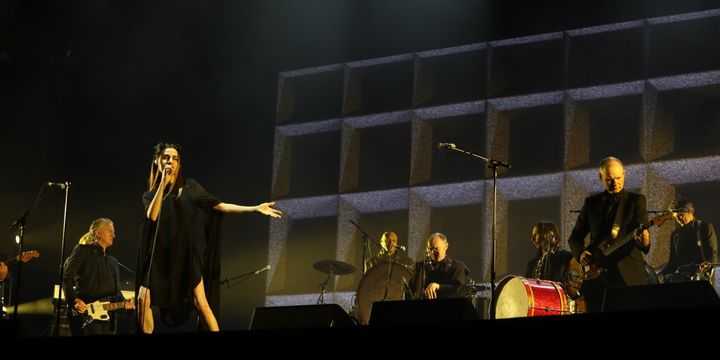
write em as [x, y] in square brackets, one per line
[550, 263]
[92, 277]
[389, 251]
[438, 275]
[693, 246]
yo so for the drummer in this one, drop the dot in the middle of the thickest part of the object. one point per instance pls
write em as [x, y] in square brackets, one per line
[389, 251]
[438, 275]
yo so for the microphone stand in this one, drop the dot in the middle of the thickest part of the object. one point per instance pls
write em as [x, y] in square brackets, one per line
[19, 224]
[365, 238]
[406, 289]
[141, 321]
[244, 277]
[61, 269]
[494, 165]
[390, 272]
[126, 268]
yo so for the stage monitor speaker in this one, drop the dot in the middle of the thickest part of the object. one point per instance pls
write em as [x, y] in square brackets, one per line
[302, 316]
[422, 311]
[661, 296]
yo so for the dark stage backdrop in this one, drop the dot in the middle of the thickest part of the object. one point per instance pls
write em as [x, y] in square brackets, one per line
[87, 87]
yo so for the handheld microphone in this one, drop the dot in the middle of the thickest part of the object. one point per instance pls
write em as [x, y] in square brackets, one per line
[446, 146]
[167, 170]
[401, 248]
[265, 268]
[60, 186]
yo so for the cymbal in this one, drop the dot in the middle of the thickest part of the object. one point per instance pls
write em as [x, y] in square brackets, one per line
[337, 267]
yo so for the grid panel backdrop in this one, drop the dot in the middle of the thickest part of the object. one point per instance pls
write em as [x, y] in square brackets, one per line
[356, 141]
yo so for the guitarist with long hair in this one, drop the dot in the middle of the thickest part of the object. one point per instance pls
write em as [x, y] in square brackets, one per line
[91, 282]
[611, 218]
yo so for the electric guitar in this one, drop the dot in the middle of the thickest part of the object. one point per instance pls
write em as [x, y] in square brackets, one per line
[605, 254]
[97, 310]
[25, 257]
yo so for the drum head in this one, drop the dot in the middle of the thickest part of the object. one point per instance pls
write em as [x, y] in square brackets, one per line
[374, 283]
[512, 299]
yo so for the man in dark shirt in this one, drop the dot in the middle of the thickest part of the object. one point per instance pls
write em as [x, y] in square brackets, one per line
[439, 276]
[91, 276]
[612, 216]
[693, 246]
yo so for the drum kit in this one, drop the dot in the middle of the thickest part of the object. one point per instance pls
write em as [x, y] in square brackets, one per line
[331, 267]
[388, 280]
[516, 296]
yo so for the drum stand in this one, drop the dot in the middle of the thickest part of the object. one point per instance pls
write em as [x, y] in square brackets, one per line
[323, 285]
[331, 267]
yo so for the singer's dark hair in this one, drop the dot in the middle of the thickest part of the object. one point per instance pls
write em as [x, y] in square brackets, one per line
[156, 168]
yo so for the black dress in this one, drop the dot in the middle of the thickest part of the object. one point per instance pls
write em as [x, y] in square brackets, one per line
[186, 250]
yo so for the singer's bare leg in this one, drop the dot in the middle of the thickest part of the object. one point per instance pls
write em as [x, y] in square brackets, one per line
[203, 307]
[144, 311]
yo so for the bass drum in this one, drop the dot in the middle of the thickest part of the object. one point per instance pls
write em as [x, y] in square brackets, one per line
[517, 296]
[374, 285]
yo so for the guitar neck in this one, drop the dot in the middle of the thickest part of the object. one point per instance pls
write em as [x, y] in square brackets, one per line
[26, 256]
[620, 242]
[114, 306]
[10, 260]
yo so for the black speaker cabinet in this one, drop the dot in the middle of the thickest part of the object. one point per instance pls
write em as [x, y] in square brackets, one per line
[422, 311]
[661, 296]
[302, 316]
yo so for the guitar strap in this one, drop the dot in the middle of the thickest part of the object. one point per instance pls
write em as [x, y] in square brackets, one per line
[619, 214]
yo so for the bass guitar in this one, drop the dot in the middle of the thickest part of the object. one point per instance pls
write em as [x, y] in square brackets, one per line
[605, 254]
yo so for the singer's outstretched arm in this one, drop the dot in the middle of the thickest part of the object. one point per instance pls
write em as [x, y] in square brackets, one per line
[264, 208]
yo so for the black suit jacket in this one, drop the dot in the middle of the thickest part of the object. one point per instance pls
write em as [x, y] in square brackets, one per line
[596, 219]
